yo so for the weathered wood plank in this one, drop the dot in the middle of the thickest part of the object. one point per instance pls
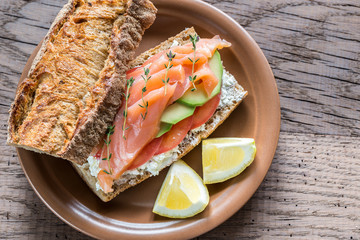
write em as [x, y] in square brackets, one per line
[310, 191]
[312, 47]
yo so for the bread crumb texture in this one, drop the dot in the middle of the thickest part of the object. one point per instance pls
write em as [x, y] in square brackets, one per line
[65, 77]
[81, 68]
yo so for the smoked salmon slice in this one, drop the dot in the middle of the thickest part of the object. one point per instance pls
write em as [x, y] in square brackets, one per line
[205, 49]
[176, 75]
[136, 144]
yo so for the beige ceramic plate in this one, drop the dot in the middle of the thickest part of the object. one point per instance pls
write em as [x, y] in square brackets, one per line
[129, 215]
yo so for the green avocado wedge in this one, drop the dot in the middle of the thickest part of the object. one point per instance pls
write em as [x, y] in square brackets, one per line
[199, 96]
[176, 112]
[216, 66]
[164, 128]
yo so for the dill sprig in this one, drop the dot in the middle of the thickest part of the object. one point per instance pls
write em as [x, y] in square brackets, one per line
[145, 105]
[110, 130]
[194, 39]
[170, 56]
[129, 83]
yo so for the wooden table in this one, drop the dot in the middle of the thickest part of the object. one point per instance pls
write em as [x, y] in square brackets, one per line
[312, 189]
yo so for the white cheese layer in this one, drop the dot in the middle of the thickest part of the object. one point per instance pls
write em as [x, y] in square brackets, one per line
[174, 44]
[93, 166]
[228, 96]
[228, 93]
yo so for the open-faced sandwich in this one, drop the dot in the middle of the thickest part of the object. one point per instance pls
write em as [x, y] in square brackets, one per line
[175, 97]
[156, 109]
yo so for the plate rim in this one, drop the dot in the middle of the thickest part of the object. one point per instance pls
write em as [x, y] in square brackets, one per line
[211, 225]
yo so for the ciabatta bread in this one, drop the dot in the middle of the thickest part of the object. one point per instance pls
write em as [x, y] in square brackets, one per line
[231, 96]
[71, 94]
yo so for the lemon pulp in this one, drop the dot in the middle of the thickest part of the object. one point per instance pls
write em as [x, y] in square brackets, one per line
[182, 194]
[224, 158]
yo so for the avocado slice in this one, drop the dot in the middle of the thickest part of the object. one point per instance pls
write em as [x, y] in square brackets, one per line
[194, 98]
[185, 106]
[216, 66]
[164, 128]
[176, 112]
[199, 96]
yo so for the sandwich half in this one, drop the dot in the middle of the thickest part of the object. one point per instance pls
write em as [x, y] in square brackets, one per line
[70, 95]
[98, 163]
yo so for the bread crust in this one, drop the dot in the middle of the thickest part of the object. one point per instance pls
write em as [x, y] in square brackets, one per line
[189, 142]
[103, 99]
[126, 39]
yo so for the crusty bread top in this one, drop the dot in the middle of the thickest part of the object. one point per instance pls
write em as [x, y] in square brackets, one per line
[72, 92]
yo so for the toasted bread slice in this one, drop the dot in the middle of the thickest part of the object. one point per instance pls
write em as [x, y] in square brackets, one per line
[231, 96]
[71, 94]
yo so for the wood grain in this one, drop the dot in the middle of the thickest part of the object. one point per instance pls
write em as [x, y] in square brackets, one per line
[313, 48]
[312, 188]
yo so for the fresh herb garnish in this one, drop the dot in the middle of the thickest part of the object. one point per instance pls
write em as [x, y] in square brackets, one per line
[110, 130]
[170, 56]
[129, 83]
[145, 105]
[194, 39]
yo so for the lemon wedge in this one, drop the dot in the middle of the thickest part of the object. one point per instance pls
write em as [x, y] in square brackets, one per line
[182, 194]
[224, 158]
